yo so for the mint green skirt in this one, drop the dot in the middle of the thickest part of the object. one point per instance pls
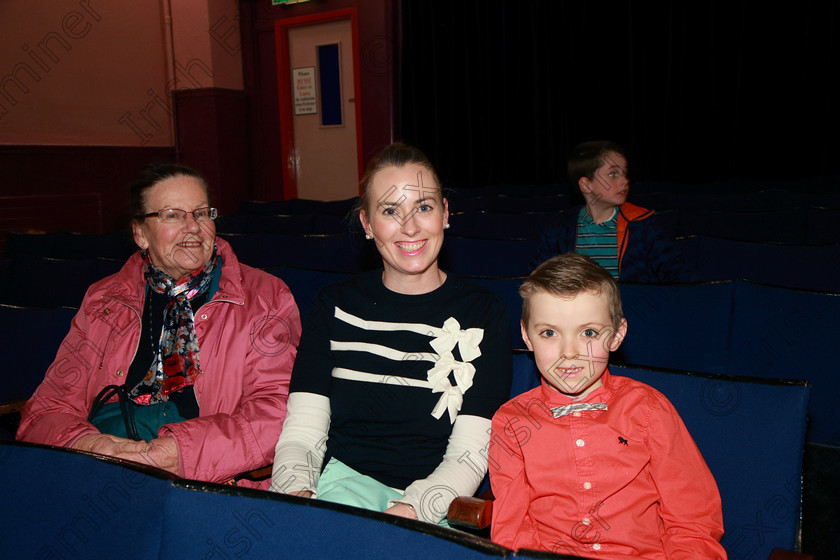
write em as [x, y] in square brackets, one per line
[342, 485]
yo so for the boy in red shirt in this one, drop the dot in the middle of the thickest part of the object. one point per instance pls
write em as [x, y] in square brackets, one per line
[589, 464]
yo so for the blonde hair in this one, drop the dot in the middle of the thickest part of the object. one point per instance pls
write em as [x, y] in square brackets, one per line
[568, 275]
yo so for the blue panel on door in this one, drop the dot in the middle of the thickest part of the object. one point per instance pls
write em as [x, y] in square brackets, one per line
[329, 73]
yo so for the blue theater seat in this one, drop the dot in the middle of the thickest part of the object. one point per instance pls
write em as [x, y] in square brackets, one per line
[507, 189]
[822, 226]
[767, 226]
[508, 290]
[495, 225]
[512, 204]
[49, 283]
[46, 282]
[305, 285]
[779, 333]
[65, 504]
[683, 327]
[336, 253]
[297, 206]
[30, 245]
[335, 224]
[295, 224]
[793, 266]
[487, 257]
[30, 340]
[752, 435]
[64, 245]
[227, 523]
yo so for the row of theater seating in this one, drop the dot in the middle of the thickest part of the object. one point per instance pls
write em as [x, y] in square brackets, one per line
[507, 198]
[798, 226]
[750, 432]
[735, 328]
[522, 212]
[794, 266]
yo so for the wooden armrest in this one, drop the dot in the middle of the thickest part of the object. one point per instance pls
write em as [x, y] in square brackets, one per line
[10, 407]
[781, 554]
[257, 474]
[474, 513]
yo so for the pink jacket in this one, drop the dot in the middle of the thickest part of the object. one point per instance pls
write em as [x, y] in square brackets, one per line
[248, 336]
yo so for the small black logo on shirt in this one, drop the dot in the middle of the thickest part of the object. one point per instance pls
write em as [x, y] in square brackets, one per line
[622, 441]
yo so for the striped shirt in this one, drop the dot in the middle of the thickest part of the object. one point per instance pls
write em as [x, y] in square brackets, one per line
[598, 241]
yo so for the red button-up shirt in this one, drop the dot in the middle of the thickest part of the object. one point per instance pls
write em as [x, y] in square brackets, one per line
[626, 482]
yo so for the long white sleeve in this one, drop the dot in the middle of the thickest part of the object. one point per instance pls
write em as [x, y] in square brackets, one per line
[459, 474]
[299, 452]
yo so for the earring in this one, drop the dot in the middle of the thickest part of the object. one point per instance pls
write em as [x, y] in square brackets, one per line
[367, 236]
[446, 225]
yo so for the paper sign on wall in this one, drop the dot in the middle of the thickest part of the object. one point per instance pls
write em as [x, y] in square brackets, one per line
[303, 84]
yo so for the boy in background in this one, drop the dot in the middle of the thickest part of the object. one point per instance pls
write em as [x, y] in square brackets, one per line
[626, 239]
[587, 463]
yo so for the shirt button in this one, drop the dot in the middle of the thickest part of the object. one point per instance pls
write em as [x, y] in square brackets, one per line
[580, 443]
[106, 310]
[120, 373]
[596, 546]
[587, 485]
[585, 521]
[576, 414]
[204, 315]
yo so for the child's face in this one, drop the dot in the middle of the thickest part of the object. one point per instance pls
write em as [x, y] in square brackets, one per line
[571, 339]
[610, 185]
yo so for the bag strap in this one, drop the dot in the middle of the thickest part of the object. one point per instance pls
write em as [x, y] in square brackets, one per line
[126, 407]
[103, 397]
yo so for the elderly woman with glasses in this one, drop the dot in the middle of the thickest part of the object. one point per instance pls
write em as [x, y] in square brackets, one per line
[182, 359]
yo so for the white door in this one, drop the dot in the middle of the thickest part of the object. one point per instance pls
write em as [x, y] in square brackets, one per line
[325, 151]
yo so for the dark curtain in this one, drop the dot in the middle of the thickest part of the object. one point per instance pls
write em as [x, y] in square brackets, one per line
[499, 91]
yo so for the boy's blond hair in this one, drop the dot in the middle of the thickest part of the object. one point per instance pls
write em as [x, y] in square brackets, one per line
[568, 275]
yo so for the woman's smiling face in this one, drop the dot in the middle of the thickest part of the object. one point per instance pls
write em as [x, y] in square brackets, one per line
[406, 217]
[176, 248]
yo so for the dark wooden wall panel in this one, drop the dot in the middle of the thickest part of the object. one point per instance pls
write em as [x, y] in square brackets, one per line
[69, 188]
[211, 132]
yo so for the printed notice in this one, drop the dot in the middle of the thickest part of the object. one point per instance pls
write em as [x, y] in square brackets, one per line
[303, 83]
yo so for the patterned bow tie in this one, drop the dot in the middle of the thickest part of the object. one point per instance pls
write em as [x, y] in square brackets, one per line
[559, 411]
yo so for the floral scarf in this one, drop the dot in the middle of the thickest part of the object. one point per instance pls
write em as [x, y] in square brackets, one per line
[176, 364]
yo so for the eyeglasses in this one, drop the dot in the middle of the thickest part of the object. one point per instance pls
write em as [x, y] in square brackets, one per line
[176, 215]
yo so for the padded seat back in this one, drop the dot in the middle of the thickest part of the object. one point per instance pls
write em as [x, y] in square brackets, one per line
[305, 285]
[779, 333]
[751, 433]
[64, 504]
[236, 523]
[495, 225]
[29, 344]
[487, 257]
[335, 253]
[681, 327]
[792, 266]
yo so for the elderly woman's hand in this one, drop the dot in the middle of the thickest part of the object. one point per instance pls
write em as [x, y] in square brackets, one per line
[106, 444]
[161, 452]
